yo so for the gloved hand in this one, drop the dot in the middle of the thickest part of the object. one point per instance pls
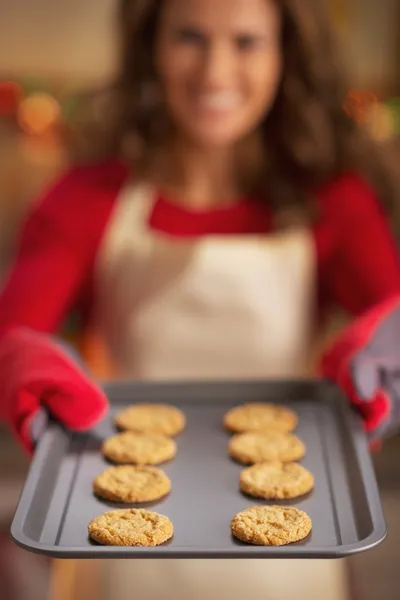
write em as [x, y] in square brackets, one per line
[365, 362]
[35, 372]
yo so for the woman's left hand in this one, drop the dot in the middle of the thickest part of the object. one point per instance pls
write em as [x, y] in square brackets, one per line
[365, 362]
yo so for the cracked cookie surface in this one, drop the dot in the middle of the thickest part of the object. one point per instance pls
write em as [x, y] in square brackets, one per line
[276, 481]
[151, 418]
[255, 416]
[130, 527]
[130, 483]
[257, 447]
[130, 447]
[271, 525]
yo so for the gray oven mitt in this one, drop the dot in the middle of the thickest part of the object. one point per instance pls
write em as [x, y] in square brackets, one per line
[365, 362]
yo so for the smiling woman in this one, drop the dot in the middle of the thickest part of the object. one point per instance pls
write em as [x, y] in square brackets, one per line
[219, 65]
[224, 129]
[261, 80]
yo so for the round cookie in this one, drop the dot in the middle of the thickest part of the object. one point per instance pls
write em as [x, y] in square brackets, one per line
[276, 481]
[129, 483]
[139, 448]
[151, 418]
[130, 527]
[271, 525]
[260, 416]
[251, 448]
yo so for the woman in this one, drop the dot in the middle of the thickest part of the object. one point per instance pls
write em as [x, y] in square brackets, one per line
[230, 195]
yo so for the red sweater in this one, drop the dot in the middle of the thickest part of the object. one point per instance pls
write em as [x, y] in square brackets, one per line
[358, 264]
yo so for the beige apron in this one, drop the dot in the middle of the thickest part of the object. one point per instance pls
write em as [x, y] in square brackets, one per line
[214, 307]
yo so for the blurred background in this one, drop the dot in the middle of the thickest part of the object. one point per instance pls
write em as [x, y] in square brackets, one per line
[53, 55]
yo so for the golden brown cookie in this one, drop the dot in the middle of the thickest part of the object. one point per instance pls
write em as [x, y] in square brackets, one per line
[276, 481]
[139, 448]
[251, 448]
[151, 418]
[129, 483]
[271, 525]
[130, 527]
[260, 416]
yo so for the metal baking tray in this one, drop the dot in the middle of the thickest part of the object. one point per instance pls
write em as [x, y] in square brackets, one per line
[57, 502]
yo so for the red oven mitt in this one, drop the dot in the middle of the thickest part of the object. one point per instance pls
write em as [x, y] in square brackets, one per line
[35, 373]
[365, 362]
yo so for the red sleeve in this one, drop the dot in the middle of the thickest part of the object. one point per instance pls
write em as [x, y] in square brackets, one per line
[358, 260]
[57, 248]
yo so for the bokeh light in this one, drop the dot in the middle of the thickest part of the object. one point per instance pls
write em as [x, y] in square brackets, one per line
[381, 122]
[358, 104]
[39, 113]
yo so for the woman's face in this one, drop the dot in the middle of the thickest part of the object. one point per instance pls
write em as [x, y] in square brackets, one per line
[219, 63]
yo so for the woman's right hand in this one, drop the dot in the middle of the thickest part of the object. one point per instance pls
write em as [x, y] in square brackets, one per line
[35, 373]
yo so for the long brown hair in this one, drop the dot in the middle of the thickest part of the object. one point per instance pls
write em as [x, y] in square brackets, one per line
[308, 137]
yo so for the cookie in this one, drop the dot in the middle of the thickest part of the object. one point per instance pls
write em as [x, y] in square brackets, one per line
[129, 483]
[276, 481]
[251, 448]
[139, 448]
[260, 416]
[151, 418]
[271, 525]
[130, 527]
